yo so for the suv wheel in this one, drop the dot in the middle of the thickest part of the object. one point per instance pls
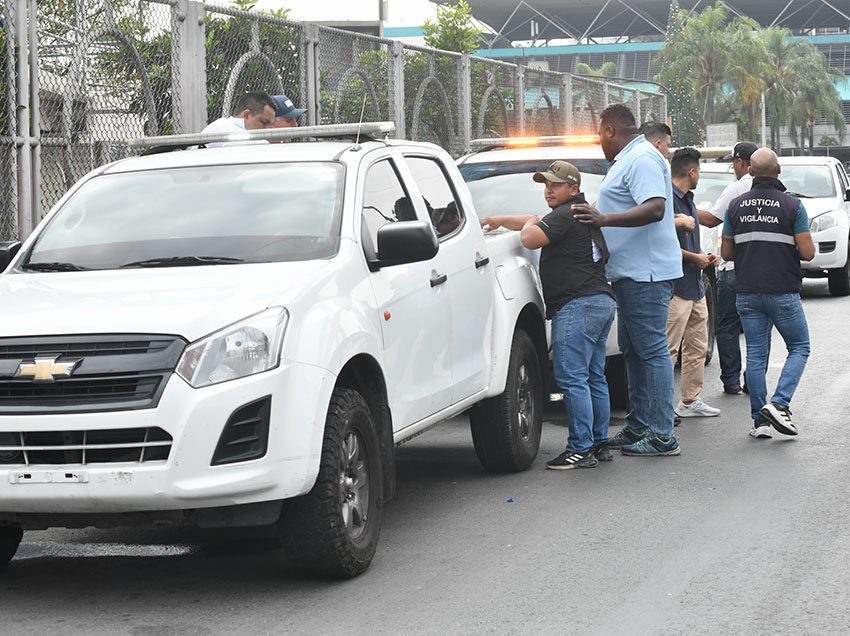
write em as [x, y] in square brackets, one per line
[839, 278]
[506, 428]
[332, 532]
[10, 539]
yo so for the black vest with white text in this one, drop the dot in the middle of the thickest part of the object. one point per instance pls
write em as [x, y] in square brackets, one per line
[766, 257]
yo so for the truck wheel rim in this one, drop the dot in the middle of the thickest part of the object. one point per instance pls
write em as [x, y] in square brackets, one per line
[354, 485]
[525, 402]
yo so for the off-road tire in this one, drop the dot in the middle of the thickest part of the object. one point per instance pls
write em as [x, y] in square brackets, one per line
[10, 539]
[839, 278]
[506, 428]
[349, 488]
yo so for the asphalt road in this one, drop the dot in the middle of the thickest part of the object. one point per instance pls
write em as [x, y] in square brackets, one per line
[735, 536]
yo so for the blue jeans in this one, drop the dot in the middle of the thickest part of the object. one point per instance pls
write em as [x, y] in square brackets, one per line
[728, 330]
[642, 331]
[758, 312]
[579, 332]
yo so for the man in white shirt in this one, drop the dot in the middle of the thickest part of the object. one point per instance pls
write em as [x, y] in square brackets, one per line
[728, 321]
[253, 111]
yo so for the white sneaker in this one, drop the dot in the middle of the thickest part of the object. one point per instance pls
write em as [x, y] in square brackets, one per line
[761, 429]
[697, 408]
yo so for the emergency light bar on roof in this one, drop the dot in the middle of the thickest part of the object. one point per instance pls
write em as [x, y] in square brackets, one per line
[524, 142]
[366, 129]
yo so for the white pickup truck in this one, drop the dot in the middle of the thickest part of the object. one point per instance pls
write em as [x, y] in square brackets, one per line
[240, 336]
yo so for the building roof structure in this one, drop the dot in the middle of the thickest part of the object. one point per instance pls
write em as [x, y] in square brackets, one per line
[584, 20]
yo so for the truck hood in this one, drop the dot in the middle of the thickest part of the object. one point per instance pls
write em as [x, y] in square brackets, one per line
[187, 301]
[819, 205]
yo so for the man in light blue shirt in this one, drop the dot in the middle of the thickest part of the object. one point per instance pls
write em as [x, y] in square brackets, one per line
[635, 212]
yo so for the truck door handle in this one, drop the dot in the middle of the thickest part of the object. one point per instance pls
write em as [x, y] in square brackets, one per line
[481, 262]
[438, 279]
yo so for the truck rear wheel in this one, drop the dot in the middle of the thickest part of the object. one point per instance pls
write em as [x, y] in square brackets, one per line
[10, 539]
[332, 532]
[506, 428]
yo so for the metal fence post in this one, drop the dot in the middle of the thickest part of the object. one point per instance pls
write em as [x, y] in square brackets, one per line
[636, 97]
[519, 103]
[188, 63]
[566, 101]
[604, 95]
[464, 104]
[22, 142]
[396, 83]
[35, 105]
[311, 55]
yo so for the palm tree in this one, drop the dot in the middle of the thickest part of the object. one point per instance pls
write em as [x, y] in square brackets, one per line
[747, 68]
[816, 97]
[784, 57]
[700, 55]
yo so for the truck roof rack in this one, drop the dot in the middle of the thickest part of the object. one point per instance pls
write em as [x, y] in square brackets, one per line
[366, 131]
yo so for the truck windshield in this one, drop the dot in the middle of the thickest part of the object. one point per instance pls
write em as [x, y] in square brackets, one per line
[506, 187]
[210, 215]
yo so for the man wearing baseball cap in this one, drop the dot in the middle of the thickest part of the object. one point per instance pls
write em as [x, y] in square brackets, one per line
[285, 114]
[580, 304]
[728, 322]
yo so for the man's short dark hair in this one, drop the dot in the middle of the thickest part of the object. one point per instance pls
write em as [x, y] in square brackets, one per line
[619, 116]
[654, 130]
[683, 160]
[255, 101]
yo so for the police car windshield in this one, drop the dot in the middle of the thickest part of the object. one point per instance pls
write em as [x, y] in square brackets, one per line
[210, 215]
[506, 187]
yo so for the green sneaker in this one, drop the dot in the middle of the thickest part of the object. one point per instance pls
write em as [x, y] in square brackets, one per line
[625, 437]
[652, 446]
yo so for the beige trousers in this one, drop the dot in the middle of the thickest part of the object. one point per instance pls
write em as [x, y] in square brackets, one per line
[686, 329]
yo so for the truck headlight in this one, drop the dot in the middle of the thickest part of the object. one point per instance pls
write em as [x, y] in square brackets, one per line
[823, 221]
[244, 348]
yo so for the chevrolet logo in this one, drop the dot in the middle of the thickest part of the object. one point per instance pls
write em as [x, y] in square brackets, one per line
[45, 369]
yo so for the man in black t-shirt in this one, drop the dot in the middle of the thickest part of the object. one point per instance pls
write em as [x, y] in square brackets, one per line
[580, 304]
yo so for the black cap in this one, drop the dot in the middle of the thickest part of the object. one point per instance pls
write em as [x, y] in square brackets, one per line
[744, 150]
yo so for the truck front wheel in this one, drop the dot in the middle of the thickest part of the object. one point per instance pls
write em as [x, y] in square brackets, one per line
[839, 278]
[10, 539]
[332, 532]
[506, 428]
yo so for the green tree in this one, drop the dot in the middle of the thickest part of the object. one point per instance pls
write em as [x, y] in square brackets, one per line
[828, 140]
[783, 55]
[747, 67]
[816, 98]
[453, 29]
[698, 55]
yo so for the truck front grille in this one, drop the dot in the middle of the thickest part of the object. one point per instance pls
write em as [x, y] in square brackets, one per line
[129, 445]
[108, 372]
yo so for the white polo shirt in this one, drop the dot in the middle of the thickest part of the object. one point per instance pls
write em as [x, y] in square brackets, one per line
[226, 125]
[718, 210]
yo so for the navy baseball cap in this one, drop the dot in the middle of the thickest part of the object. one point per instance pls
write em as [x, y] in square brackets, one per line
[285, 107]
[744, 150]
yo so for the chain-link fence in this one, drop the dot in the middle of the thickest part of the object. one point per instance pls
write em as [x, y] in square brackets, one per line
[103, 71]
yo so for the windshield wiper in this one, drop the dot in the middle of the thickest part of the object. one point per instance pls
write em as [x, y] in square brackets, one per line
[798, 195]
[177, 261]
[54, 266]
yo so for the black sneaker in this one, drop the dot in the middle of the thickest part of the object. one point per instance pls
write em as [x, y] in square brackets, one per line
[625, 437]
[570, 459]
[780, 416]
[602, 453]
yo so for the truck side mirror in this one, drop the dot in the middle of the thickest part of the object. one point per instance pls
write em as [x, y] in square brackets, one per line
[8, 250]
[405, 242]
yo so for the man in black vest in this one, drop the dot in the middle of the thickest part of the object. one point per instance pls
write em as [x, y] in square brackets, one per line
[766, 233]
[580, 304]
